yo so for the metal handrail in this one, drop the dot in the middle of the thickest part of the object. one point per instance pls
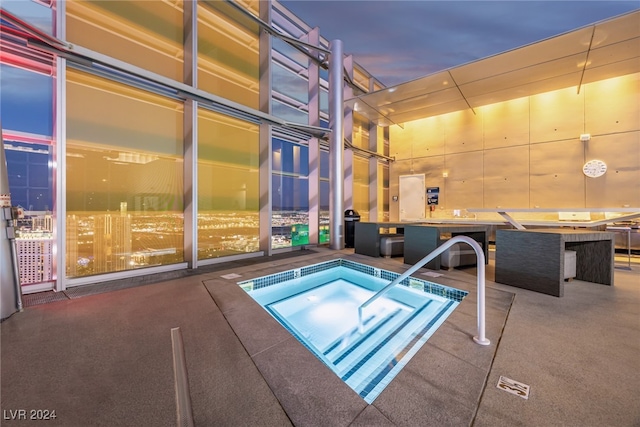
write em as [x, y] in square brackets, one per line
[480, 338]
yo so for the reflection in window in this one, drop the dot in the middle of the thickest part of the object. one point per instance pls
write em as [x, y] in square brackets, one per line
[36, 13]
[289, 113]
[29, 167]
[324, 220]
[383, 193]
[283, 48]
[361, 187]
[26, 104]
[124, 185]
[361, 167]
[228, 54]
[228, 186]
[360, 131]
[290, 197]
[26, 113]
[290, 84]
[148, 34]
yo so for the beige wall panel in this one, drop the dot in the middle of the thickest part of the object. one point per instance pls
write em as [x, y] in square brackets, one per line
[620, 185]
[612, 105]
[430, 141]
[556, 179]
[400, 141]
[462, 131]
[506, 177]
[557, 115]
[506, 124]
[463, 185]
[397, 168]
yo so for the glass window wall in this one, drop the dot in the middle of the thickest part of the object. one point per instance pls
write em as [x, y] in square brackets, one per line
[324, 221]
[148, 34]
[26, 113]
[228, 54]
[293, 86]
[288, 112]
[124, 177]
[228, 186]
[360, 139]
[290, 198]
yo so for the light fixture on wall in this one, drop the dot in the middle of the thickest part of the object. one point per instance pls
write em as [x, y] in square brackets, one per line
[585, 137]
[445, 174]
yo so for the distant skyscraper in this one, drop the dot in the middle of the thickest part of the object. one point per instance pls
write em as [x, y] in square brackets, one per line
[42, 223]
[35, 258]
[112, 241]
[72, 246]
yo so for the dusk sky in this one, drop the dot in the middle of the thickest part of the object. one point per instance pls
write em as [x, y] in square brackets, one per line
[398, 40]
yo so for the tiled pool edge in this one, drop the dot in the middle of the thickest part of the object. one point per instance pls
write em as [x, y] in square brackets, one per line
[445, 399]
[275, 278]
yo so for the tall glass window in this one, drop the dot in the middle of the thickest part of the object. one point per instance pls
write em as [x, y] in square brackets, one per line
[290, 198]
[383, 172]
[228, 186]
[286, 82]
[124, 177]
[228, 53]
[361, 167]
[26, 113]
[290, 89]
[148, 34]
[325, 195]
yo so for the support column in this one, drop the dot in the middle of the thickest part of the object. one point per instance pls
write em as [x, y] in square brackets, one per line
[265, 156]
[336, 146]
[10, 296]
[348, 158]
[60, 250]
[313, 38]
[190, 137]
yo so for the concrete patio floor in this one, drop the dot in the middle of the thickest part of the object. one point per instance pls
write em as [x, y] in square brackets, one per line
[106, 358]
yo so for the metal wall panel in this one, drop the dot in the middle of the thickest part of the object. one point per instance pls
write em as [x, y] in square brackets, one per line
[506, 124]
[557, 115]
[620, 185]
[402, 140]
[534, 143]
[612, 105]
[463, 131]
[430, 140]
[506, 177]
[464, 183]
[557, 180]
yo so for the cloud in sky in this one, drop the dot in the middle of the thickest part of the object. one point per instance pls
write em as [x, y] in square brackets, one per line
[401, 40]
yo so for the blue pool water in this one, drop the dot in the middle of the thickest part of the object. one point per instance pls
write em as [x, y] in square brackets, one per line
[319, 304]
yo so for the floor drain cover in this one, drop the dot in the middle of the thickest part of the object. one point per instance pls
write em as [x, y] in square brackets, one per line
[514, 387]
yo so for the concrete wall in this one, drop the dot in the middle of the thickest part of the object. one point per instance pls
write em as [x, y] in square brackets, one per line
[527, 153]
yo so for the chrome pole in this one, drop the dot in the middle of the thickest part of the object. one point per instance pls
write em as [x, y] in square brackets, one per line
[336, 147]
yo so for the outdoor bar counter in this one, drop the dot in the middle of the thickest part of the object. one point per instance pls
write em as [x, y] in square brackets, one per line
[422, 239]
[534, 259]
[367, 236]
